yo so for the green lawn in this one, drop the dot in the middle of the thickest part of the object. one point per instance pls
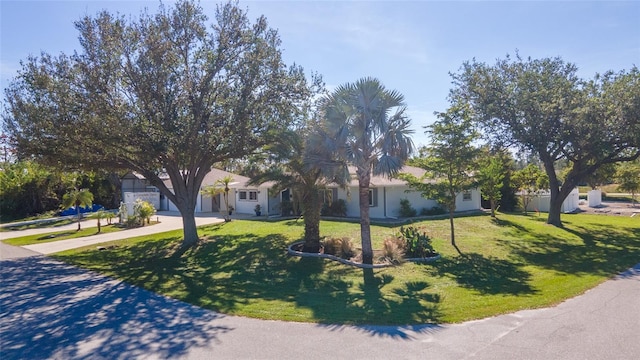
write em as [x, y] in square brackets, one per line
[517, 262]
[60, 235]
[38, 225]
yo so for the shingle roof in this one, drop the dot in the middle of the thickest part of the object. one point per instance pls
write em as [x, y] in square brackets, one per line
[380, 180]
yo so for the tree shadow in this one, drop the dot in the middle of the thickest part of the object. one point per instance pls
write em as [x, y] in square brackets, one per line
[486, 275]
[49, 309]
[231, 271]
[585, 250]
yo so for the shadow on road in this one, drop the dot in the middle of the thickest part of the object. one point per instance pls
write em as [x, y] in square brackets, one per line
[52, 310]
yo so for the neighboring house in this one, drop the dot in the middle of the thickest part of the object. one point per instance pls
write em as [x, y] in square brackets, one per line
[385, 195]
[541, 202]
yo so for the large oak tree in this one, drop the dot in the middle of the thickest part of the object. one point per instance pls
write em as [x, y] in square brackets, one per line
[543, 107]
[170, 92]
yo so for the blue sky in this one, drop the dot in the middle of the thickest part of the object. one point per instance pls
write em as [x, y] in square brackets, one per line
[410, 46]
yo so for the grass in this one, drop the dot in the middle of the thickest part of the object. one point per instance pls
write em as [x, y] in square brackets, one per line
[241, 267]
[61, 235]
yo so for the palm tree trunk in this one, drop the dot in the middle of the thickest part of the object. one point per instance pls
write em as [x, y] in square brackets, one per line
[78, 214]
[365, 222]
[312, 223]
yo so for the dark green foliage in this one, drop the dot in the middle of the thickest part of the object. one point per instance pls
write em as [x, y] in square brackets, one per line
[542, 106]
[436, 210]
[335, 208]
[286, 208]
[417, 245]
[406, 210]
[172, 92]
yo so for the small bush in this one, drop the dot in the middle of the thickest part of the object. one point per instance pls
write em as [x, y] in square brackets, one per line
[433, 211]
[340, 247]
[406, 210]
[336, 208]
[132, 221]
[393, 250]
[416, 245]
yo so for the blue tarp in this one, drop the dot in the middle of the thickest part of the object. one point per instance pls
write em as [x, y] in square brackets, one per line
[87, 209]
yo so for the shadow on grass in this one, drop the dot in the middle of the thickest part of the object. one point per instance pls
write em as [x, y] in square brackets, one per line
[486, 275]
[594, 249]
[52, 310]
[231, 271]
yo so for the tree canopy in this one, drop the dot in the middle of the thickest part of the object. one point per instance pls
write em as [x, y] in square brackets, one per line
[164, 93]
[543, 107]
[449, 162]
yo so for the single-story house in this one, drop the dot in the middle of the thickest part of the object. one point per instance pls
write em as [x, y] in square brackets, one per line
[385, 195]
[384, 200]
[242, 197]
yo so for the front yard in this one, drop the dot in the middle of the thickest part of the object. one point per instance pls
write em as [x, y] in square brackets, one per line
[242, 268]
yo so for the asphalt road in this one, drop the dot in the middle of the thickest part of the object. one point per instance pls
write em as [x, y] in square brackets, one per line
[51, 310]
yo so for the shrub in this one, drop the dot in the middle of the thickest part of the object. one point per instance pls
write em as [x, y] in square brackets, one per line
[406, 210]
[340, 247]
[335, 208]
[132, 221]
[393, 250]
[416, 245]
[436, 210]
[143, 210]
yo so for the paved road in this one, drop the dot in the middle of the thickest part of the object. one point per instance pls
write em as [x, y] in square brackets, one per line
[49, 309]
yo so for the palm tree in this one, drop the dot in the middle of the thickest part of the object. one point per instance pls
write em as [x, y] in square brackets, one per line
[220, 186]
[365, 125]
[77, 198]
[304, 179]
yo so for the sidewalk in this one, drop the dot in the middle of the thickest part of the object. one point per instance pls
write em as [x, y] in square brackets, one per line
[168, 221]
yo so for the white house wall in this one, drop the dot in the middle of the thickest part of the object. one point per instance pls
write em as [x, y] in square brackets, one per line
[396, 193]
[392, 195]
[248, 206]
[468, 205]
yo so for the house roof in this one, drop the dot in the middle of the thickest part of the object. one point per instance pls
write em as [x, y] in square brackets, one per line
[380, 180]
[216, 174]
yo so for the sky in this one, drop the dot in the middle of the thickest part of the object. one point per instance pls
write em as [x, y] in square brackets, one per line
[411, 46]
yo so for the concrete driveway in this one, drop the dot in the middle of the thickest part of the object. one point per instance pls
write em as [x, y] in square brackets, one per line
[51, 310]
[168, 221]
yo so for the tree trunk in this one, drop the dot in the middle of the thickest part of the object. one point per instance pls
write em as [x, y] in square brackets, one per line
[493, 208]
[190, 231]
[365, 222]
[78, 214]
[558, 195]
[312, 223]
[453, 232]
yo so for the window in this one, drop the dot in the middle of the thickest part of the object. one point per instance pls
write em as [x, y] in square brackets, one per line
[373, 197]
[328, 196]
[248, 195]
[466, 195]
